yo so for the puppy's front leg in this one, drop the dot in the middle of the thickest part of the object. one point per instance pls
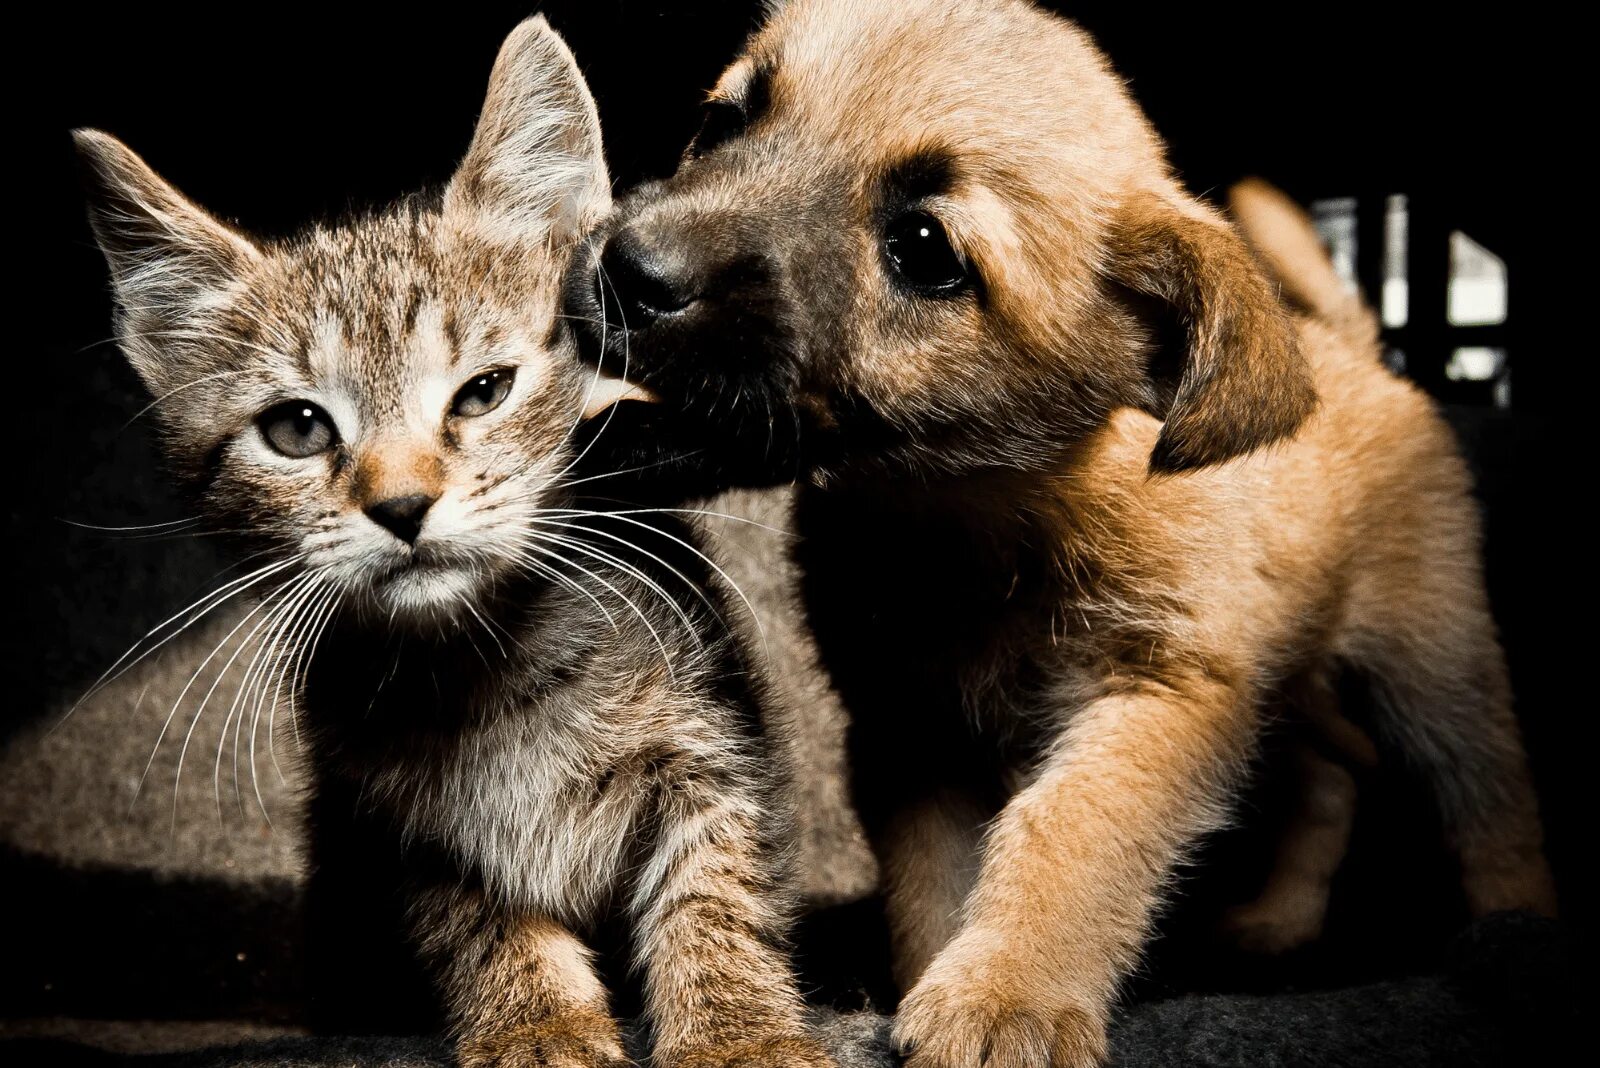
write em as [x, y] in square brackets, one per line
[1071, 874]
[521, 989]
[712, 929]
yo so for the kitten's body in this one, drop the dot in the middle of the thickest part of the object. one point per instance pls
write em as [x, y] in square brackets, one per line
[524, 712]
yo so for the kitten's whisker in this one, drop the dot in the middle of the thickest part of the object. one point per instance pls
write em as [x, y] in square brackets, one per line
[694, 587]
[621, 565]
[538, 567]
[311, 654]
[239, 697]
[599, 362]
[173, 393]
[627, 569]
[297, 635]
[665, 656]
[165, 525]
[674, 511]
[183, 750]
[285, 622]
[167, 724]
[191, 334]
[225, 592]
[466, 602]
[629, 470]
[754, 617]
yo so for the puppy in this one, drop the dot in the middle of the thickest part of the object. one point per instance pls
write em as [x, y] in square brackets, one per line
[1082, 497]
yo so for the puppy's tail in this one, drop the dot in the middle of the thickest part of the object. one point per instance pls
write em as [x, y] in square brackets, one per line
[1283, 238]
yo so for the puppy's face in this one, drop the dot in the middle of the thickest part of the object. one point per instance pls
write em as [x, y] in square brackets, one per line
[933, 236]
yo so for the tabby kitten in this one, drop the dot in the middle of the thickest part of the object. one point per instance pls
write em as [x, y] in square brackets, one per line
[523, 714]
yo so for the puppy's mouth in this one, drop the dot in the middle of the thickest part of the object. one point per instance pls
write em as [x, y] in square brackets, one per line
[606, 389]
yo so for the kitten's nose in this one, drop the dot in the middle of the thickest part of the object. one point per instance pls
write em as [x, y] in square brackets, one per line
[402, 516]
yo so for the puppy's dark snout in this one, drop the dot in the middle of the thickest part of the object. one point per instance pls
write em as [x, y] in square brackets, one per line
[640, 284]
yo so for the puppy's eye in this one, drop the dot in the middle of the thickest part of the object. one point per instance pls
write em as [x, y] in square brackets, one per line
[920, 252]
[723, 121]
[298, 429]
[483, 394]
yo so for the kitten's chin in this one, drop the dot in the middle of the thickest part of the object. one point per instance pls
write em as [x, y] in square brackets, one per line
[427, 596]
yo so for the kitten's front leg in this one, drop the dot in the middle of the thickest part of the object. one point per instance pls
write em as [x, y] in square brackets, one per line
[713, 923]
[521, 988]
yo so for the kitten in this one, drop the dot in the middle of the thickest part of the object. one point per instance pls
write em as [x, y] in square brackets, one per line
[523, 713]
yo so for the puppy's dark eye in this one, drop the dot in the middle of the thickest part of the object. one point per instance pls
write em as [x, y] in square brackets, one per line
[919, 251]
[298, 428]
[483, 394]
[723, 121]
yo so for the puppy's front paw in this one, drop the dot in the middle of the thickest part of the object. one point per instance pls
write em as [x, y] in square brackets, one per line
[575, 1040]
[975, 1009]
[790, 1052]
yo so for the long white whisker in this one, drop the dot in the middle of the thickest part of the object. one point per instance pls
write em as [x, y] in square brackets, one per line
[297, 640]
[626, 568]
[216, 597]
[611, 412]
[665, 656]
[286, 621]
[240, 698]
[674, 511]
[166, 525]
[222, 673]
[693, 586]
[567, 581]
[173, 393]
[167, 724]
[298, 683]
[756, 618]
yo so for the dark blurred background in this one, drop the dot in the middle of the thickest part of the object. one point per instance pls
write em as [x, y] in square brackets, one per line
[275, 114]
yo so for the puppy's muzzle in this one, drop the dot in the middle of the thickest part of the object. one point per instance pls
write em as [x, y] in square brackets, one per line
[641, 283]
[692, 306]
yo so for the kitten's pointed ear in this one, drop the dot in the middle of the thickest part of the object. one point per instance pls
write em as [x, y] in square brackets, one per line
[165, 252]
[536, 166]
[1244, 382]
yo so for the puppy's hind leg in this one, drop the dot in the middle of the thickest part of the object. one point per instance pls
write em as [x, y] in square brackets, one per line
[930, 851]
[1291, 907]
[1444, 702]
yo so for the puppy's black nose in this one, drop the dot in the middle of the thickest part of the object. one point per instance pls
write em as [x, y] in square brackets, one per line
[402, 516]
[639, 285]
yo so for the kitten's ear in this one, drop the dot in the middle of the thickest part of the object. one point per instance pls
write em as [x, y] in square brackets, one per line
[165, 252]
[536, 166]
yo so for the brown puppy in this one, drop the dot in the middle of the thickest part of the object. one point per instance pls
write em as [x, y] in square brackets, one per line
[1081, 495]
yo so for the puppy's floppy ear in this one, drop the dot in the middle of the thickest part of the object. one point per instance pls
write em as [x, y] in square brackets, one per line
[1244, 382]
[536, 167]
[169, 259]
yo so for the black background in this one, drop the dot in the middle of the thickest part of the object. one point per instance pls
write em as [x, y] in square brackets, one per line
[272, 115]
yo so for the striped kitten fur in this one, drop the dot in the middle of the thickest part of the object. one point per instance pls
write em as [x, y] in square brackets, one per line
[524, 714]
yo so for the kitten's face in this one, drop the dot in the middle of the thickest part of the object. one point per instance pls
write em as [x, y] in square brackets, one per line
[389, 402]
[394, 401]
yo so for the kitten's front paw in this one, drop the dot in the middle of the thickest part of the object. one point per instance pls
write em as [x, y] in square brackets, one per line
[792, 1052]
[567, 1041]
[976, 1008]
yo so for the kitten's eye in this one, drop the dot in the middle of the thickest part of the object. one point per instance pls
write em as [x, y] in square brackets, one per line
[483, 394]
[723, 121]
[298, 428]
[920, 252]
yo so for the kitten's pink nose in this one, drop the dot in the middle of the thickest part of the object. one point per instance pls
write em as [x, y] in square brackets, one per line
[402, 516]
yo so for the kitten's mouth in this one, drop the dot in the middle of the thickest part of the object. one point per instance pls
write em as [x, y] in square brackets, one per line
[606, 389]
[421, 561]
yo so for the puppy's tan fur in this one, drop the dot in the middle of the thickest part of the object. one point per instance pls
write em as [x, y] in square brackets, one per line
[1098, 576]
